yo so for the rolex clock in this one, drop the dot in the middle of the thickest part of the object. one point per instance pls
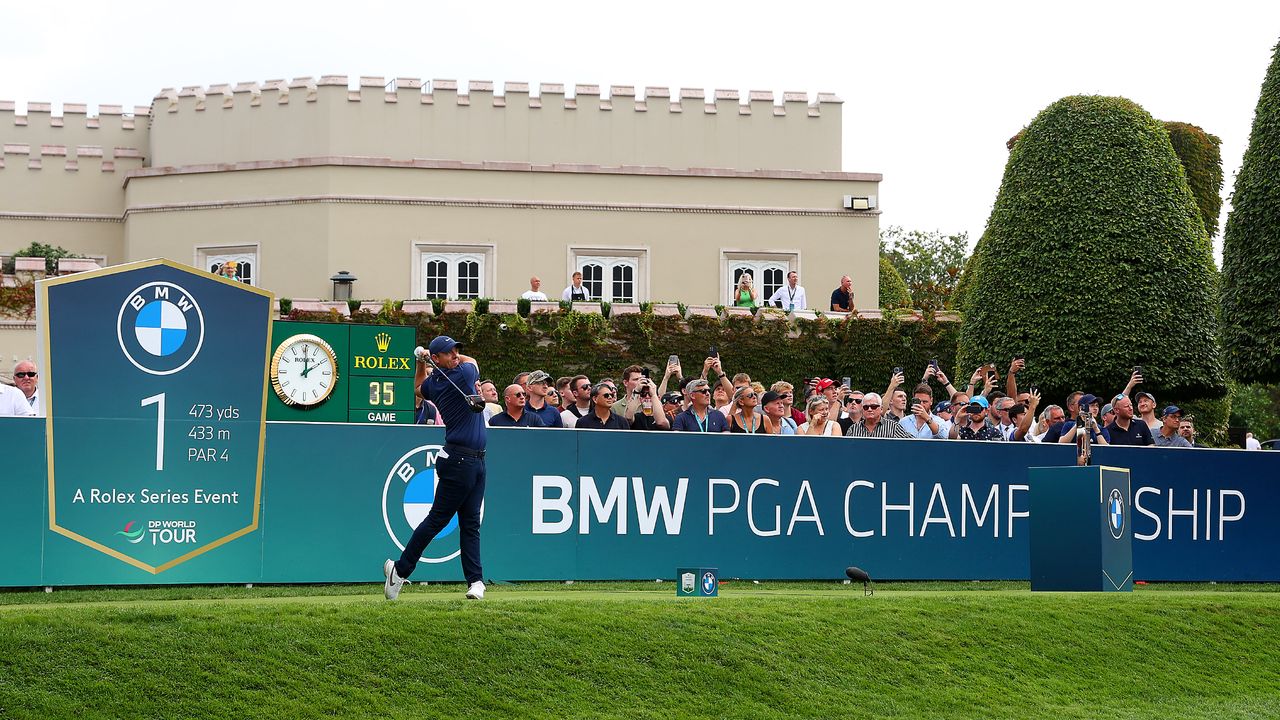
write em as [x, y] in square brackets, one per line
[304, 371]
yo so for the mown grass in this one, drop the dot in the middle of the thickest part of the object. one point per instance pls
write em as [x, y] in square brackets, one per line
[630, 650]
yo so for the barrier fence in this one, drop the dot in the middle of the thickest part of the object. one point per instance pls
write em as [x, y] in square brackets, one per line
[337, 498]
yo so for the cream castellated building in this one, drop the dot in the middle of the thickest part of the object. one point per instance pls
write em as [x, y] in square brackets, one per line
[420, 190]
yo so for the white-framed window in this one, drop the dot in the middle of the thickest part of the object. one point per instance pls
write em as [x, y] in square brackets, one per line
[768, 272]
[242, 259]
[613, 274]
[453, 272]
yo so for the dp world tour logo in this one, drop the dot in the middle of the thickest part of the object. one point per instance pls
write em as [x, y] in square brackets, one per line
[160, 328]
[1115, 513]
[407, 498]
[133, 536]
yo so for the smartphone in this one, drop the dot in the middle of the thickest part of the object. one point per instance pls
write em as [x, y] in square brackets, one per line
[934, 363]
[897, 371]
[1138, 369]
[848, 383]
[714, 352]
[644, 371]
[673, 359]
[1033, 388]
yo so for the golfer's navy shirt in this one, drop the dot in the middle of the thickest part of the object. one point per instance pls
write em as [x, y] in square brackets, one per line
[461, 426]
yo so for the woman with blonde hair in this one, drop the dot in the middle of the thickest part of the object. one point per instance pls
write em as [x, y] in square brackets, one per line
[743, 417]
[744, 295]
[817, 411]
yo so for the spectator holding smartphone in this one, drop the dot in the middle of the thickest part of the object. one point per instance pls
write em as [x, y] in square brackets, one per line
[920, 421]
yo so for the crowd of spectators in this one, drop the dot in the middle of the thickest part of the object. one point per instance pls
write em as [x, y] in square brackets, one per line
[715, 401]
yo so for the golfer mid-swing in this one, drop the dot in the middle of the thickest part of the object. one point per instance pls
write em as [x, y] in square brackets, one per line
[460, 471]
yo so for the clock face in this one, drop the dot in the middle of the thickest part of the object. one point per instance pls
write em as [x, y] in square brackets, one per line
[304, 371]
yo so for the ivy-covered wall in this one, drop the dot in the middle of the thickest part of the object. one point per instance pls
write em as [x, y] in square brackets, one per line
[569, 343]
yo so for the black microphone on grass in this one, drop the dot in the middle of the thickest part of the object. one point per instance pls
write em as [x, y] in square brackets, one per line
[857, 574]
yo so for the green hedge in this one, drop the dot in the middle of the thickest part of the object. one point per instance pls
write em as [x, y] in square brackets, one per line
[568, 343]
[1251, 247]
[1095, 259]
[1201, 156]
[893, 289]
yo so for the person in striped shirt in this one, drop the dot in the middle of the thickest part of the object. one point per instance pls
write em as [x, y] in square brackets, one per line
[874, 423]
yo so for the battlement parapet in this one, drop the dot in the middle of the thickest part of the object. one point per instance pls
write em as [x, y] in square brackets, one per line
[407, 118]
[74, 116]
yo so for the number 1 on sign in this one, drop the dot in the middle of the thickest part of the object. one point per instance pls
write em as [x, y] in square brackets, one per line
[158, 400]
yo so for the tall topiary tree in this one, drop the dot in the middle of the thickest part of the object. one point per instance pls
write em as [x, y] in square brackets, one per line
[1251, 247]
[1201, 156]
[1095, 260]
[893, 289]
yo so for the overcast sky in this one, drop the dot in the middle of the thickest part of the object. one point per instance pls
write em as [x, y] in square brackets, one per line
[932, 90]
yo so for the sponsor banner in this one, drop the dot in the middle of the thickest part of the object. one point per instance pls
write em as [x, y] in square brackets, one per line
[154, 380]
[338, 499]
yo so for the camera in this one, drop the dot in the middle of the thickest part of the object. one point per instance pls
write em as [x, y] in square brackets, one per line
[975, 408]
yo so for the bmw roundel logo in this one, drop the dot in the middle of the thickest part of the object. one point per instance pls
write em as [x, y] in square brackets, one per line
[1115, 513]
[160, 328]
[407, 497]
[708, 583]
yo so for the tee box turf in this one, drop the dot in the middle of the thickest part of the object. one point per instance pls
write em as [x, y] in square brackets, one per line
[697, 582]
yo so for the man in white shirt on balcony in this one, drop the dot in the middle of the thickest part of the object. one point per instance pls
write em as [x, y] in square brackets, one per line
[790, 296]
[534, 292]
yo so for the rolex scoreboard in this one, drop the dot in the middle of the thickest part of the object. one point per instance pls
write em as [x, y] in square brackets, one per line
[331, 372]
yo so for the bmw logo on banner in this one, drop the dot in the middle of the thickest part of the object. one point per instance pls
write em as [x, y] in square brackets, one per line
[1115, 513]
[407, 498]
[160, 328]
[155, 377]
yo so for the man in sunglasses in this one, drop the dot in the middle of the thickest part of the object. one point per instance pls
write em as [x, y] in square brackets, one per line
[23, 399]
[874, 423]
[602, 416]
[700, 417]
[852, 410]
[514, 398]
[577, 400]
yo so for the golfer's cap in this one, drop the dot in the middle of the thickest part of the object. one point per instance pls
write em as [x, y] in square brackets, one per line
[442, 344]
